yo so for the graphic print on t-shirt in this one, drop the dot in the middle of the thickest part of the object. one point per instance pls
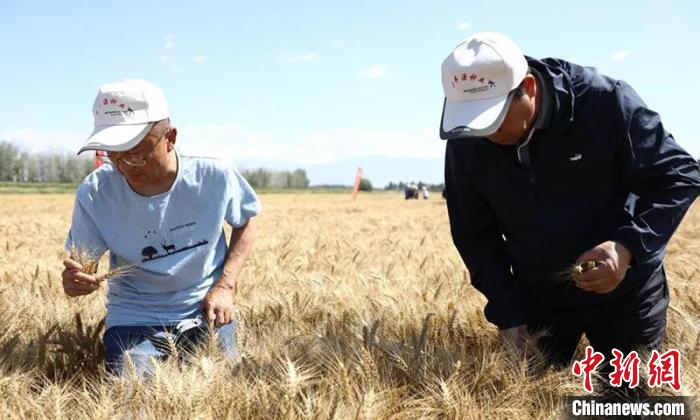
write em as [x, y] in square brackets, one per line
[153, 252]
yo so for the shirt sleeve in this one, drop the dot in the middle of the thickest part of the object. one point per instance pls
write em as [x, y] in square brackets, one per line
[84, 236]
[656, 169]
[243, 203]
[480, 244]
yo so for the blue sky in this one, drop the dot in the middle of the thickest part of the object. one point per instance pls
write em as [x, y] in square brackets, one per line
[327, 85]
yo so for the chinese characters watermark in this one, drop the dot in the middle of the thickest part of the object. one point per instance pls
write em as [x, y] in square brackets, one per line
[661, 368]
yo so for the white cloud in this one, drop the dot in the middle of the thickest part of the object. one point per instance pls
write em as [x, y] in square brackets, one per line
[620, 55]
[463, 26]
[316, 147]
[35, 140]
[198, 59]
[305, 58]
[168, 42]
[375, 72]
[168, 45]
[233, 141]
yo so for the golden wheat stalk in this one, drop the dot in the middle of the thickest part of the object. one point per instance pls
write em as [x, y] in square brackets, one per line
[583, 267]
[567, 275]
[86, 259]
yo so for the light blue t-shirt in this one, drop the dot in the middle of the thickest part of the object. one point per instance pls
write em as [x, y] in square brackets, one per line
[174, 242]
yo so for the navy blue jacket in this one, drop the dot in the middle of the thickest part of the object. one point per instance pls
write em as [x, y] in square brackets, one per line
[519, 219]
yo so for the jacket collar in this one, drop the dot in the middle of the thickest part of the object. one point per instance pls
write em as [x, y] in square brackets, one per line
[560, 91]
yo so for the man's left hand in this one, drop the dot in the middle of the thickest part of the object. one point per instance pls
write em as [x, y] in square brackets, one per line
[612, 260]
[218, 305]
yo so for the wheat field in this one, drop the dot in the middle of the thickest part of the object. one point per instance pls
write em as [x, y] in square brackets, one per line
[351, 310]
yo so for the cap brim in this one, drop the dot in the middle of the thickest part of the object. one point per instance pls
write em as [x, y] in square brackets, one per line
[116, 138]
[473, 118]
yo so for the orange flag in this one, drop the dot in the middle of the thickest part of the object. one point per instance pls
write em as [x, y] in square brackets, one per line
[358, 179]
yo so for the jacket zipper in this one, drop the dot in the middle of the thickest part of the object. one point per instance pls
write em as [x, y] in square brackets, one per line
[523, 152]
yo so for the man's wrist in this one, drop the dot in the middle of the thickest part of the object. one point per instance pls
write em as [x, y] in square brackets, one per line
[225, 286]
[624, 254]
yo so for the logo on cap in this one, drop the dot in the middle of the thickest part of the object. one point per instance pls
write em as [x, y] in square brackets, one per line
[457, 79]
[124, 109]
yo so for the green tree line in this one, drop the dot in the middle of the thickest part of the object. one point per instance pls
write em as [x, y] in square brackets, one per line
[54, 167]
[264, 178]
[22, 166]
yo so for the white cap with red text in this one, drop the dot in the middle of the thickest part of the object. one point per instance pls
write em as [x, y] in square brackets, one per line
[477, 78]
[124, 112]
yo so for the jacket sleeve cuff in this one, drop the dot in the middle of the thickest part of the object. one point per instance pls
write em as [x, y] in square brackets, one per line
[505, 312]
[632, 240]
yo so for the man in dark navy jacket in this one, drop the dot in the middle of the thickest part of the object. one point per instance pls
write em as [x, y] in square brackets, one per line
[550, 164]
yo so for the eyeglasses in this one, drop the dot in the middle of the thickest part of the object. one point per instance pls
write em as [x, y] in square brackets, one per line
[116, 157]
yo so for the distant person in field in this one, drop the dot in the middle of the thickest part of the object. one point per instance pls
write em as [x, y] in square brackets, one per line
[410, 192]
[162, 215]
[548, 165]
[425, 192]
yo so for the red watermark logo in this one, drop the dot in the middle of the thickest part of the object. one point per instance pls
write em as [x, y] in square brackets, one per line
[661, 368]
[587, 366]
[665, 369]
[626, 369]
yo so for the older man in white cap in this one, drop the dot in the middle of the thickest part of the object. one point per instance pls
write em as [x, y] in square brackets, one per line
[548, 165]
[161, 215]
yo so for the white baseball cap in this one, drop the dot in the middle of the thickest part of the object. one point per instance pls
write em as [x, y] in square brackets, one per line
[124, 112]
[477, 78]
